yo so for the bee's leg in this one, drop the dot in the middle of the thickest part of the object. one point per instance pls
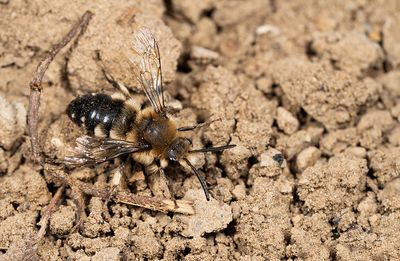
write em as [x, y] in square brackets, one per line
[78, 199]
[123, 93]
[116, 180]
[116, 84]
[158, 182]
[199, 125]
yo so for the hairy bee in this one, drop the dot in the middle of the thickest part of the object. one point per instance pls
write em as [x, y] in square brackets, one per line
[117, 125]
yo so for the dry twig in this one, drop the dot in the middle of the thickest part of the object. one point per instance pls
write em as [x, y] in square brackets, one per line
[153, 203]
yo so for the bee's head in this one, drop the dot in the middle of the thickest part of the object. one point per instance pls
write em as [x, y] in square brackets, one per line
[178, 148]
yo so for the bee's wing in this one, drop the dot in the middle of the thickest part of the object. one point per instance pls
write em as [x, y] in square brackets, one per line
[147, 62]
[92, 150]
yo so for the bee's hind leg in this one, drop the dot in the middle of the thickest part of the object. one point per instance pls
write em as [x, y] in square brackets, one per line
[120, 87]
[78, 199]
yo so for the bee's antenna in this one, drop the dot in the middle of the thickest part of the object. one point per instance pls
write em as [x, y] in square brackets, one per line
[213, 149]
[201, 179]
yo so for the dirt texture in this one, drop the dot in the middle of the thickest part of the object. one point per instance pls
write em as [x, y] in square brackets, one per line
[308, 90]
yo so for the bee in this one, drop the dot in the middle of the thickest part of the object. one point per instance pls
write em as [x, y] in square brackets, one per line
[117, 125]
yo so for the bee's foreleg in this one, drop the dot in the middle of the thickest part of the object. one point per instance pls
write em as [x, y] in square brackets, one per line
[158, 182]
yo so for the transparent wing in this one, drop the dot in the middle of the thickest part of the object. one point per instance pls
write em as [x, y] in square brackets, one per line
[92, 150]
[146, 59]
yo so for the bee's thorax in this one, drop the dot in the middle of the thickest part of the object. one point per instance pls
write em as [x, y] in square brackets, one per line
[156, 130]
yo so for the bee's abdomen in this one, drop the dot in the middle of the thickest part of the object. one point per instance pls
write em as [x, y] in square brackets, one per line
[94, 110]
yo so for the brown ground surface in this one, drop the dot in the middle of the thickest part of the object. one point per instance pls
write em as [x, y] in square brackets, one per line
[315, 81]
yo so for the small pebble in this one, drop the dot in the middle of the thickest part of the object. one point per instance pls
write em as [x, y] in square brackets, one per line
[202, 53]
[210, 216]
[286, 121]
[12, 122]
[107, 254]
[307, 158]
[359, 152]
[239, 191]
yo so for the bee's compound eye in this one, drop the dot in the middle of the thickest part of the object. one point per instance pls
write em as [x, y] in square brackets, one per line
[171, 155]
[178, 149]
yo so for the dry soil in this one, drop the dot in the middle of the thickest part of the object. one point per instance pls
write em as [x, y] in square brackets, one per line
[308, 90]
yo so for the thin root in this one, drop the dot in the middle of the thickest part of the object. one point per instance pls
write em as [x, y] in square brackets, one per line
[47, 214]
[36, 83]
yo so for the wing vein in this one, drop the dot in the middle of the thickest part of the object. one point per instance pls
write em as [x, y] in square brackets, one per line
[147, 61]
[93, 150]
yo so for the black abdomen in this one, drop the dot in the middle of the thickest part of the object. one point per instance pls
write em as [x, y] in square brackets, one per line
[93, 109]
